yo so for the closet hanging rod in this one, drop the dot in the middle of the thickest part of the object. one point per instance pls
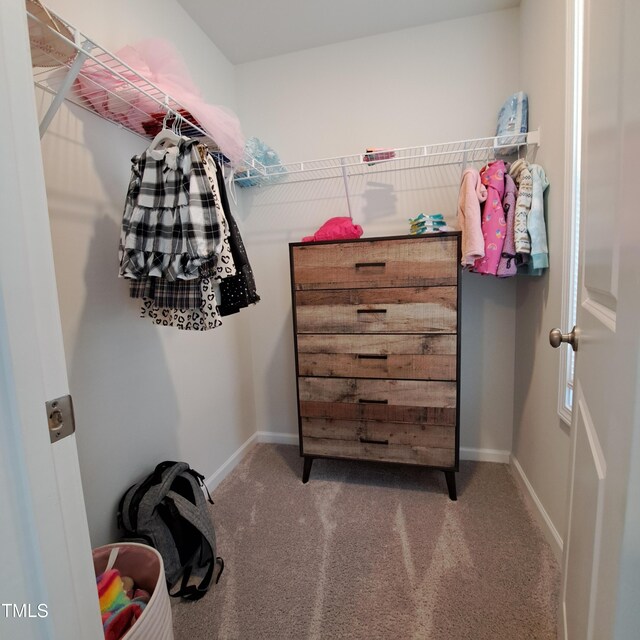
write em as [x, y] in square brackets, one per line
[88, 80]
[459, 153]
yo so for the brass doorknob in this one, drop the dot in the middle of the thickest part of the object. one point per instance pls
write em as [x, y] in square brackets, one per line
[556, 338]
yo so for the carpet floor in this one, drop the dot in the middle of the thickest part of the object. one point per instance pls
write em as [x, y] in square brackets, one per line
[373, 552]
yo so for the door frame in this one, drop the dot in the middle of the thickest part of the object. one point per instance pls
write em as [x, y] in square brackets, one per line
[46, 551]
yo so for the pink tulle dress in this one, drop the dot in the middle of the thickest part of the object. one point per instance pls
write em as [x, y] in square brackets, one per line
[159, 62]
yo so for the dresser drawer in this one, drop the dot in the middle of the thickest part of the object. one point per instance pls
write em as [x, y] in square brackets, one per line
[415, 357]
[382, 452]
[379, 432]
[417, 401]
[381, 263]
[401, 310]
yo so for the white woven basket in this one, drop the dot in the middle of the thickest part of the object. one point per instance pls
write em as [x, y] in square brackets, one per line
[143, 564]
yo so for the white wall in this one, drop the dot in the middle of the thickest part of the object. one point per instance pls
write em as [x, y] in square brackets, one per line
[541, 439]
[424, 85]
[142, 394]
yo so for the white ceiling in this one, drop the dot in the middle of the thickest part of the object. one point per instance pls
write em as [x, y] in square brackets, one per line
[246, 30]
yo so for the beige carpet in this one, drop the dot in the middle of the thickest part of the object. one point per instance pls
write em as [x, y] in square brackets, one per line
[373, 552]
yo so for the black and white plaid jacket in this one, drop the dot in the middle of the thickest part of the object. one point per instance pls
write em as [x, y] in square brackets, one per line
[169, 227]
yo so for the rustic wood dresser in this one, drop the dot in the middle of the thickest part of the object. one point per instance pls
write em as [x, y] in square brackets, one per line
[376, 326]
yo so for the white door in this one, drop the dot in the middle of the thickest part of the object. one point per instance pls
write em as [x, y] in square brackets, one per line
[601, 544]
[47, 587]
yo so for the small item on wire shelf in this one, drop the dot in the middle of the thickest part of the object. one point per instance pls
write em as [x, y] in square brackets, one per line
[374, 155]
[255, 149]
[513, 124]
[340, 228]
[431, 223]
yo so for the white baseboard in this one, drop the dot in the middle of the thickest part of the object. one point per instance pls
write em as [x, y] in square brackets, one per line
[275, 437]
[479, 455]
[234, 459]
[485, 455]
[222, 472]
[540, 513]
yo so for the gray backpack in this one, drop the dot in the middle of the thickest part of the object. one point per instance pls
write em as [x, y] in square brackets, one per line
[168, 511]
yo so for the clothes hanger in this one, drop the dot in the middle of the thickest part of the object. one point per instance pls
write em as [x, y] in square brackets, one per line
[167, 137]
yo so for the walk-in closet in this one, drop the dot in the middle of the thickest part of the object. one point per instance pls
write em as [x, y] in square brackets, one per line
[392, 446]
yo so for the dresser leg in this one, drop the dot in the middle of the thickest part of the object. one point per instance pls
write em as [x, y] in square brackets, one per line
[451, 484]
[307, 469]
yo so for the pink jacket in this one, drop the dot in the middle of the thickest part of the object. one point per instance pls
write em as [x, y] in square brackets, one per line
[494, 225]
[472, 193]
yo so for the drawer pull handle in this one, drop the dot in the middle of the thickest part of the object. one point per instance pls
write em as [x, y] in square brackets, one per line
[368, 356]
[372, 311]
[365, 401]
[372, 441]
[364, 265]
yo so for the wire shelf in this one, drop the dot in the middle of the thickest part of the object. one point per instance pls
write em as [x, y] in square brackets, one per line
[463, 152]
[100, 82]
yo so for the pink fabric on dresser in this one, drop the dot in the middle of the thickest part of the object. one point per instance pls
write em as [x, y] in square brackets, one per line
[340, 228]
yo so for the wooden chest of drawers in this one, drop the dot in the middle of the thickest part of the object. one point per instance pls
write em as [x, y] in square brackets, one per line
[376, 324]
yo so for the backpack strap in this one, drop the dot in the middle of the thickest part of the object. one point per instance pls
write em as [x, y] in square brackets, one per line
[195, 592]
[156, 476]
[200, 480]
[194, 516]
[180, 507]
[136, 497]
